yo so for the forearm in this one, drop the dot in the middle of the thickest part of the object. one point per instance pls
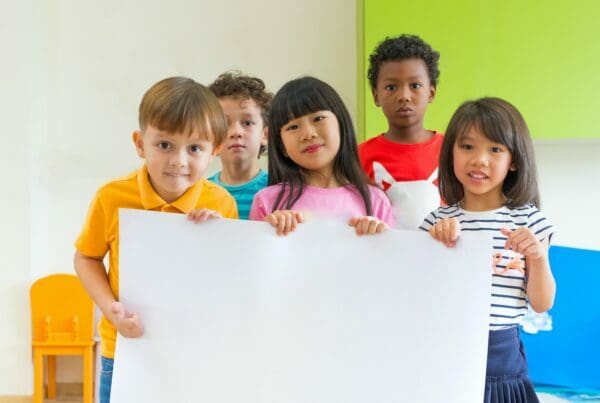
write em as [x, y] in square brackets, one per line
[541, 287]
[92, 274]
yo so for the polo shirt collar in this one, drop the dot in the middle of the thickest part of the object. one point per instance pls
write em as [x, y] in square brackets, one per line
[152, 201]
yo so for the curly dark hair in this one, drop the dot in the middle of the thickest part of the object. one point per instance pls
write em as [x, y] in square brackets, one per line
[403, 47]
[235, 84]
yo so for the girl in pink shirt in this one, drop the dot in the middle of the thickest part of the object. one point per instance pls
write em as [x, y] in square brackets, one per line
[313, 164]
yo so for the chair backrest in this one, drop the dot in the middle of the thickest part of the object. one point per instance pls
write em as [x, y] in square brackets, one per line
[61, 310]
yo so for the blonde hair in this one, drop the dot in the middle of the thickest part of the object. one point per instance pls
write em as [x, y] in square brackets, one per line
[181, 105]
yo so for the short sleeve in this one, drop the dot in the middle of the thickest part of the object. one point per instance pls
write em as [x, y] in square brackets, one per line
[429, 221]
[541, 227]
[258, 211]
[92, 240]
[382, 207]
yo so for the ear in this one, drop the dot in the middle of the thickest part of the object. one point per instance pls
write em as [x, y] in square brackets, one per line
[375, 96]
[138, 142]
[216, 150]
[513, 167]
[432, 90]
[265, 136]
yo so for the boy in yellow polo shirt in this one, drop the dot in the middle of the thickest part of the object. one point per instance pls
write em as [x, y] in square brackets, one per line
[181, 130]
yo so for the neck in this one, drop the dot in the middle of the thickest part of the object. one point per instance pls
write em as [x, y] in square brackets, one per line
[322, 179]
[483, 202]
[239, 172]
[408, 135]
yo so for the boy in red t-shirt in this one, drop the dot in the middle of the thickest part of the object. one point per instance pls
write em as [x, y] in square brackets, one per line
[403, 74]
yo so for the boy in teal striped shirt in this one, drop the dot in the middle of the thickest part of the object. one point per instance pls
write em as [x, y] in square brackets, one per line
[246, 104]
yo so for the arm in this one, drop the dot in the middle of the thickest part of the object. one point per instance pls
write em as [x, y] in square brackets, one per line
[541, 287]
[92, 274]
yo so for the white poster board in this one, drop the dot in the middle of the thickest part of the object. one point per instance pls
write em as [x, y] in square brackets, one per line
[234, 313]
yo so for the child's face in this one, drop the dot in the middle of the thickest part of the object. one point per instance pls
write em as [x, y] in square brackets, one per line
[481, 165]
[174, 161]
[245, 130]
[403, 91]
[312, 141]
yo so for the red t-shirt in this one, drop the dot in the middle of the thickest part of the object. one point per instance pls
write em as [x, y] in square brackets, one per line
[408, 174]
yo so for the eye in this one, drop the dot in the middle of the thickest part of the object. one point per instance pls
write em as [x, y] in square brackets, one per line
[248, 123]
[497, 149]
[290, 128]
[163, 145]
[466, 146]
[195, 148]
[416, 86]
[319, 118]
[390, 87]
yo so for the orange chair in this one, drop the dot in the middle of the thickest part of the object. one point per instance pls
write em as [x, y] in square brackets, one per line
[62, 316]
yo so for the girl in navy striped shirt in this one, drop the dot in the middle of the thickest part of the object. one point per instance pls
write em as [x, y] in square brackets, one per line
[488, 178]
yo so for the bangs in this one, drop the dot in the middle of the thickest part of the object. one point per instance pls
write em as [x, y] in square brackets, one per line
[296, 99]
[495, 126]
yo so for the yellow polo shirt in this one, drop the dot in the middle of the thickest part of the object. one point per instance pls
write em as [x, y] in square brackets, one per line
[100, 234]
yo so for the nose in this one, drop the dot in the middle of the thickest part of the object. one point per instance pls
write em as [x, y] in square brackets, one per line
[403, 94]
[234, 131]
[309, 133]
[480, 159]
[178, 159]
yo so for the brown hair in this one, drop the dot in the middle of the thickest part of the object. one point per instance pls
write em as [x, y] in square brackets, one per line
[235, 84]
[502, 123]
[181, 105]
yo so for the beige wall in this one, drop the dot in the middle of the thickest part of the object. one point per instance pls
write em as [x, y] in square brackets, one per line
[72, 77]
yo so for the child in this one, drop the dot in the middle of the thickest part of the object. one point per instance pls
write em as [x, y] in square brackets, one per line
[246, 104]
[488, 178]
[181, 129]
[403, 74]
[313, 163]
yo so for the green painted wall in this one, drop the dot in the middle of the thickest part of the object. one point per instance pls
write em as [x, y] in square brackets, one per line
[543, 56]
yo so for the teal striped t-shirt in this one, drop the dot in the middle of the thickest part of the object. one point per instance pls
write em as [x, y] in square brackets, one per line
[243, 194]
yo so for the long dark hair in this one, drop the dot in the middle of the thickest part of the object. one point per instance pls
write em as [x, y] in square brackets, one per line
[502, 123]
[297, 98]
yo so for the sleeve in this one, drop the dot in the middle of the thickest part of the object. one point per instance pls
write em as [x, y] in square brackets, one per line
[229, 208]
[382, 207]
[541, 227]
[92, 240]
[258, 211]
[429, 221]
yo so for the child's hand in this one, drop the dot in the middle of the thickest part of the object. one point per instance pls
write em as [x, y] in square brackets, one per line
[284, 221]
[523, 241]
[127, 323]
[447, 231]
[202, 214]
[367, 225]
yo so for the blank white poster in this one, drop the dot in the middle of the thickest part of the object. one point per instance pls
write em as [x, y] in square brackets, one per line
[234, 313]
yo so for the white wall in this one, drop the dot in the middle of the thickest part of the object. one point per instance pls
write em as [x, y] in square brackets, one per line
[569, 179]
[73, 74]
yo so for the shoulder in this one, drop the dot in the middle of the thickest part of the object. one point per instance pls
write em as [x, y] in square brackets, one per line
[268, 193]
[215, 178]
[452, 211]
[378, 195]
[531, 217]
[370, 143]
[214, 190]
[116, 189]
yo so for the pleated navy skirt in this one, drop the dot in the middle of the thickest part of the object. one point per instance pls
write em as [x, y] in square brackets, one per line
[507, 380]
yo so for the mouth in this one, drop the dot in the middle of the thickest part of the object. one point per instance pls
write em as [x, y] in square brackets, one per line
[313, 148]
[404, 110]
[236, 147]
[176, 174]
[477, 175]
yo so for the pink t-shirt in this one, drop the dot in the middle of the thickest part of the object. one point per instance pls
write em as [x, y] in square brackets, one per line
[342, 202]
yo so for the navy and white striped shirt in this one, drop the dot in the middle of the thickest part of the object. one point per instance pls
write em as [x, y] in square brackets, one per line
[509, 297]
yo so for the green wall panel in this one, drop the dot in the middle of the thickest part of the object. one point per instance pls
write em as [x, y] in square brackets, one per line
[543, 56]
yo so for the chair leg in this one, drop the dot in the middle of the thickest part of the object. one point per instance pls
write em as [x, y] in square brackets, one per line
[38, 376]
[51, 376]
[88, 375]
